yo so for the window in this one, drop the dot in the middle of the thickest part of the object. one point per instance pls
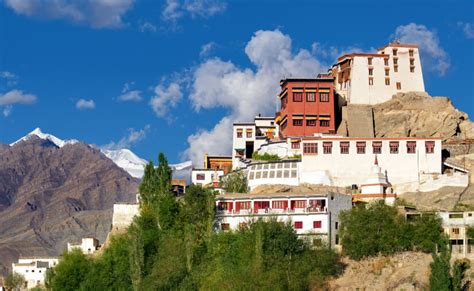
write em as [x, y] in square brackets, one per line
[371, 72]
[394, 51]
[310, 148]
[387, 72]
[399, 86]
[324, 97]
[225, 226]
[395, 61]
[311, 122]
[395, 68]
[410, 53]
[295, 145]
[412, 69]
[298, 224]
[394, 147]
[455, 230]
[327, 147]
[317, 224]
[336, 225]
[324, 123]
[369, 60]
[297, 96]
[360, 147]
[429, 146]
[297, 122]
[387, 81]
[344, 147]
[411, 147]
[385, 62]
[200, 176]
[239, 132]
[337, 239]
[311, 97]
[371, 81]
[298, 204]
[412, 62]
[249, 132]
[377, 147]
[280, 204]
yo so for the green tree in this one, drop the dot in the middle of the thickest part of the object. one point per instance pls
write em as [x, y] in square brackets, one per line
[459, 269]
[148, 190]
[235, 182]
[440, 278]
[71, 271]
[14, 281]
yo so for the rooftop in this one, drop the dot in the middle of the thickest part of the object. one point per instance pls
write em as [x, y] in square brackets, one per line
[274, 195]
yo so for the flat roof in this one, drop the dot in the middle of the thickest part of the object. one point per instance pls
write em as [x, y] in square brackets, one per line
[289, 80]
[244, 123]
[369, 138]
[404, 45]
[208, 170]
[274, 195]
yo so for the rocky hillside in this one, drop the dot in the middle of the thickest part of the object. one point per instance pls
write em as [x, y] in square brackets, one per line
[418, 114]
[51, 195]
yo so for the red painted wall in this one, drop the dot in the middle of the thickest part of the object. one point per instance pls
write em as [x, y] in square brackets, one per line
[307, 108]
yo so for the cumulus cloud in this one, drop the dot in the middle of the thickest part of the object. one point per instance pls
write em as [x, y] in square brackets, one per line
[133, 136]
[7, 100]
[16, 97]
[206, 49]
[128, 94]
[467, 28]
[433, 56]
[330, 53]
[175, 9]
[83, 104]
[96, 13]
[165, 97]
[245, 92]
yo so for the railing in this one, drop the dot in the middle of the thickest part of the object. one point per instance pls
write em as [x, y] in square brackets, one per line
[270, 211]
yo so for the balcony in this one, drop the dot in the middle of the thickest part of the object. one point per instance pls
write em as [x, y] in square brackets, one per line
[271, 211]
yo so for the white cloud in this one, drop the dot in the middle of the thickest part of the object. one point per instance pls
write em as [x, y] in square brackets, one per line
[245, 92]
[10, 78]
[175, 9]
[16, 97]
[165, 97]
[133, 137]
[128, 94]
[206, 49]
[433, 56]
[147, 26]
[96, 13]
[7, 110]
[83, 104]
[331, 53]
[467, 28]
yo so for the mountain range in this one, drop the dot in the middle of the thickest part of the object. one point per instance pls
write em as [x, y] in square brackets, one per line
[55, 191]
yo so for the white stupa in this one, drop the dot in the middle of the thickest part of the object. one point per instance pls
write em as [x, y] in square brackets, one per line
[377, 186]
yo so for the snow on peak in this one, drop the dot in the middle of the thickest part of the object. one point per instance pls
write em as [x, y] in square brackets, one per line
[38, 133]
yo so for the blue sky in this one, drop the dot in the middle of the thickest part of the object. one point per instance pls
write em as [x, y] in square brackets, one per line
[173, 75]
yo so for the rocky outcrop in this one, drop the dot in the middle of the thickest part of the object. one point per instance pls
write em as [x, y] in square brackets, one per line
[51, 195]
[418, 114]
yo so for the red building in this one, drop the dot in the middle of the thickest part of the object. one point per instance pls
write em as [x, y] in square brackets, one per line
[307, 106]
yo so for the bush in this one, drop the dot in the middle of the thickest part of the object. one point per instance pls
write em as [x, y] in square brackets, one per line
[265, 157]
[379, 229]
[235, 182]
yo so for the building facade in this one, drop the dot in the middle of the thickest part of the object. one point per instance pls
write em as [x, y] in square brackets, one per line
[34, 269]
[247, 137]
[218, 163]
[313, 215]
[307, 106]
[206, 177]
[88, 245]
[372, 78]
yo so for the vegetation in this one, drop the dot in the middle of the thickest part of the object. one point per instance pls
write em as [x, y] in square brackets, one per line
[172, 245]
[235, 182]
[14, 281]
[265, 157]
[440, 278]
[364, 234]
[459, 269]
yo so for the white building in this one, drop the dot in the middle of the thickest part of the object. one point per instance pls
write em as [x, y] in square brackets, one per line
[313, 215]
[123, 215]
[371, 78]
[88, 245]
[206, 177]
[34, 269]
[455, 225]
[249, 136]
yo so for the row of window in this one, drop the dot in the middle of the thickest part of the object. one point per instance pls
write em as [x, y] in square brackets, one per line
[248, 132]
[270, 174]
[311, 122]
[310, 97]
[312, 148]
[316, 224]
[395, 66]
[279, 165]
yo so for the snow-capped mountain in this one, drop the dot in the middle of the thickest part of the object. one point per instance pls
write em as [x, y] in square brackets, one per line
[37, 132]
[124, 158]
